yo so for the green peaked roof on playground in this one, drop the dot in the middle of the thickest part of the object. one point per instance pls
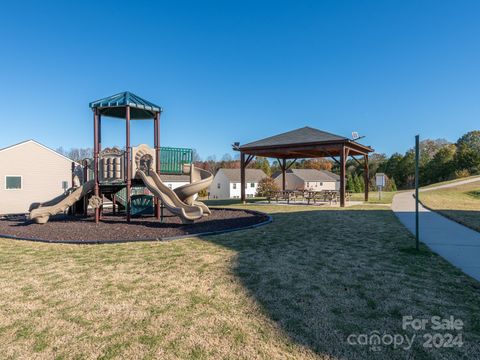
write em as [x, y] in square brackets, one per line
[115, 105]
[305, 135]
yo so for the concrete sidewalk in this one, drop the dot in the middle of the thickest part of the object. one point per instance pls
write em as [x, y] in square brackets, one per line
[456, 243]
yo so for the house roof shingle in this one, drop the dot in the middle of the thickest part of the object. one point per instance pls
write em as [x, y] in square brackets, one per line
[175, 177]
[251, 175]
[39, 144]
[311, 174]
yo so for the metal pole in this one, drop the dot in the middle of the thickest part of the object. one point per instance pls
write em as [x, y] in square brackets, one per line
[417, 158]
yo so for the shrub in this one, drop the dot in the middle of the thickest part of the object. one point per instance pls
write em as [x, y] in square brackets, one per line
[203, 193]
[266, 187]
[462, 173]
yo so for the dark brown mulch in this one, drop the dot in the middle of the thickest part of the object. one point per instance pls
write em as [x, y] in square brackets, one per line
[64, 228]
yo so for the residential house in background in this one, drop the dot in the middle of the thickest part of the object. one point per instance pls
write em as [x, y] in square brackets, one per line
[31, 172]
[308, 179]
[226, 183]
[174, 181]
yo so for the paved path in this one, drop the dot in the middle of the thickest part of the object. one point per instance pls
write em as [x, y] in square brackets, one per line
[454, 242]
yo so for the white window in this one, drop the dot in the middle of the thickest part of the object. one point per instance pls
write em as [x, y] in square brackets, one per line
[170, 186]
[321, 184]
[64, 185]
[252, 185]
[218, 186]
[13, 182]
[308, 184]
[234, 185]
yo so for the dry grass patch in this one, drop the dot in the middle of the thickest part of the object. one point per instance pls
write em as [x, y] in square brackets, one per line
[294, 289]
[460, 203]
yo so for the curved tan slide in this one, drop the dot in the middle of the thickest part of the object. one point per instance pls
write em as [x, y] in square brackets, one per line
[41, 214]
[199, 179]
[188, 213]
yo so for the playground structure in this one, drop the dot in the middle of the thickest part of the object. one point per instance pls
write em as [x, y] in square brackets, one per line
[114, 173]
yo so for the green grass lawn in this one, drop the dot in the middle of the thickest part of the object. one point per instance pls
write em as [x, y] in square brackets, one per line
[293, 289]
[373, 198]
[460, 203]
[227, 202]
[451, 181]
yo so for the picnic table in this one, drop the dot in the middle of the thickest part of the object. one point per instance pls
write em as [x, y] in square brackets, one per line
[330, 196]
[283, 195]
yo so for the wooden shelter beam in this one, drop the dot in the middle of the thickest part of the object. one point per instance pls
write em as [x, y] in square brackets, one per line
[291, 164]
[249, 159]
[356, 160]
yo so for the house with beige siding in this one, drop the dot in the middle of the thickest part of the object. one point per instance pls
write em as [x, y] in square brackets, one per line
[31, 172]
[226, 183]
[308, 179]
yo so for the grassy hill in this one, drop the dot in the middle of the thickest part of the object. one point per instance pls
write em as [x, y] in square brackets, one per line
[460, 203]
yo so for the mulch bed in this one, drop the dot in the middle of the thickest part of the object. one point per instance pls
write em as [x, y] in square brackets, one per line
[112, 229]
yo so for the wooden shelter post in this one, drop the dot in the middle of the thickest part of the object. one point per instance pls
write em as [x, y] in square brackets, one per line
[156, 123]
[128, 165]
[366, 177]
[242, 176]
[95, 161]
[284, 167]
[343, 157]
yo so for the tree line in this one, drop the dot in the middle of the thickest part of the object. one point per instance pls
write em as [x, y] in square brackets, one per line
[440, 160]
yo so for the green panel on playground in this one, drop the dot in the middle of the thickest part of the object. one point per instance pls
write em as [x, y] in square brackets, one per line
[171, 162]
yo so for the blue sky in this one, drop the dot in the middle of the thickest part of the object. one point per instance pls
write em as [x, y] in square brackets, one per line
[228, 71]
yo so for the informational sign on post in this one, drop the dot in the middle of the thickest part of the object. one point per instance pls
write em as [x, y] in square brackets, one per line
[380, 181]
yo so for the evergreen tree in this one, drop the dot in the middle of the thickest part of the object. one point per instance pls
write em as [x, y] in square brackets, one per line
[357, 184]
[350, 184]
[393, 185]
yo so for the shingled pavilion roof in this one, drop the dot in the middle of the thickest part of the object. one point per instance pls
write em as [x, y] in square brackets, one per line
[304, 142]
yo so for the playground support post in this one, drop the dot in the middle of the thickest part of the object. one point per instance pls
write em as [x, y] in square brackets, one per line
[100, 211]
[417, 158]
[156, 137]
[85, 179]
[128, 161]
[95, 162]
